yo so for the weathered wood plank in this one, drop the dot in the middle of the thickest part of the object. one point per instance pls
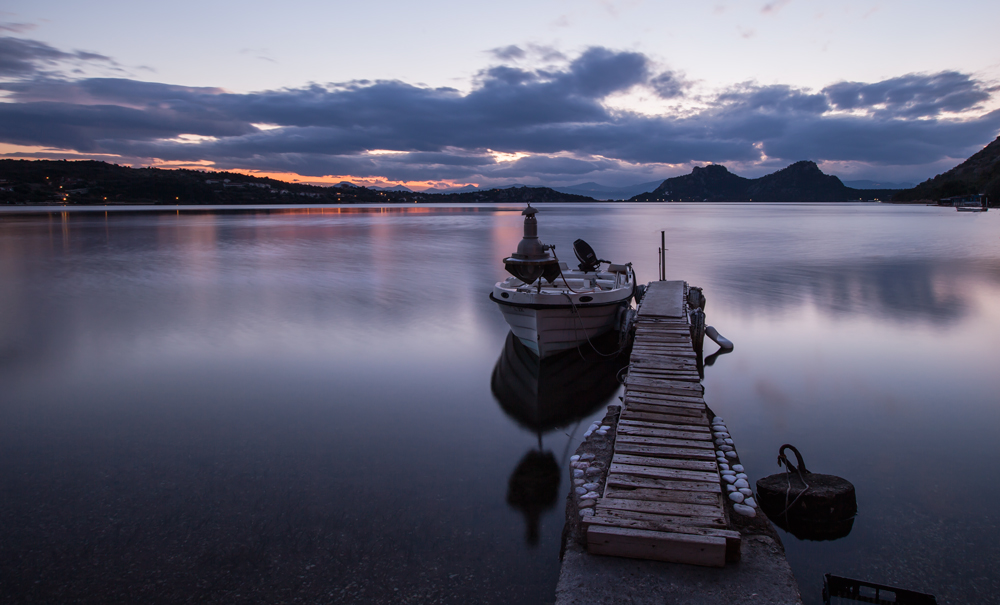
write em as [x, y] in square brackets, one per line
[663, 495]
[643, 431]
[662, 408]
[705, 466]
[659, 382]
[666, 520]
[655, 472]
[663, 400]
[650, 390]
[707, 551]
[733, 538]
[666, 441]
[662, 451]
[672, 419]
[614, 480]
[704, 429]
[709, 514]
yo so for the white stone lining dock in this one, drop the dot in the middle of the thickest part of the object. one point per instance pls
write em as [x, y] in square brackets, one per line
[662, 483]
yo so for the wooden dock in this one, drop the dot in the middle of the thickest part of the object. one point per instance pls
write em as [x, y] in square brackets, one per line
[663, 497]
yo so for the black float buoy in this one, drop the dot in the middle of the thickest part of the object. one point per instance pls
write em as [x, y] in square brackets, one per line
[810, 506]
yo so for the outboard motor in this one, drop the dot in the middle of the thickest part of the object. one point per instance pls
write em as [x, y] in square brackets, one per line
[587, 257]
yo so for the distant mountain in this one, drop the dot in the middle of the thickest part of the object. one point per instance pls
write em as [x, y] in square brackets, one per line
[801, 182]
[46, 182]
[393, 188]
[978, 174]
[877, 185]
[605, 192]
[441, 190]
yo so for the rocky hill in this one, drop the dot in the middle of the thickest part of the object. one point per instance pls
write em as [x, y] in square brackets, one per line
[38, 182]
[800, 182]
[978, 174]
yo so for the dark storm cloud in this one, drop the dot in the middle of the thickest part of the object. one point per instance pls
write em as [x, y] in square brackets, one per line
[20, 57]
[912, 95]
[557, 114]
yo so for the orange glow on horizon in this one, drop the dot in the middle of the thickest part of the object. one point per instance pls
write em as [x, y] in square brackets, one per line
[33, 153]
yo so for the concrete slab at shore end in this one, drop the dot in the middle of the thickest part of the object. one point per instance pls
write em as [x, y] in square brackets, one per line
[665, 299]
[761, 576]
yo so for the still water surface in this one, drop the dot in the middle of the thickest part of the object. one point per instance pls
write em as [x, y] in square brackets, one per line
[274, 405]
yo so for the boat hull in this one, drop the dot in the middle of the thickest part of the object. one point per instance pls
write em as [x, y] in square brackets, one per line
[547, 330]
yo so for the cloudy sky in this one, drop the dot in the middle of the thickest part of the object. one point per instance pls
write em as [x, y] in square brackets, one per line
[542, 92]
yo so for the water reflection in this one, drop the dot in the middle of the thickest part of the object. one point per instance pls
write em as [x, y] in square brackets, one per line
[545, 395]
[931, 291]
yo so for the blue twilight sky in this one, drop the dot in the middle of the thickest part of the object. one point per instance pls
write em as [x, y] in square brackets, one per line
[542, 92]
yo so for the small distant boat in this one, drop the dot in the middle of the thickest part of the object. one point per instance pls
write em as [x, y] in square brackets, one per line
[967, 203]
[550, 307]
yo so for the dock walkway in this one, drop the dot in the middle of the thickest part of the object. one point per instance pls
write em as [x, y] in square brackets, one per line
[663, 498]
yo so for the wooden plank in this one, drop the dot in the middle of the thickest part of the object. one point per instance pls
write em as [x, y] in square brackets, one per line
[663, 400]
[651, 390]
[707, 551]
[705, 466]
[663, 495]
[712, 515]
[677, 400]
[733, 538]
[654, 408]
[665, 441]
[655, 472]
[667, 521]
[663, 451]
[643, 431]
[655, 425]
[648, 482]
[671, 419]
[682, 385]
[637, 520]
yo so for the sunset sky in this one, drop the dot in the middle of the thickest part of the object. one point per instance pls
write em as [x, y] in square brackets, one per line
[543, 92]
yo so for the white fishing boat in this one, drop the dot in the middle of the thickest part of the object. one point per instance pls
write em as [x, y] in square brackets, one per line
[550, 307]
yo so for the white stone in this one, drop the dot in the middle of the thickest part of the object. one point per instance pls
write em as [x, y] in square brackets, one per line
[740, 483]
[721, 434]
[730, 488]
[720, 454]
[745, 491]
[721, 460]
[587, 503]
[750, 502]
[726, 448]
[591, 486]
[578, 472]
[587, 434]
[720, 442]
[738, 468]
[601, 433]
[591, 496]
[606, 427]
[587, 457]
[589, 512]
[742, 476]
[580, 490]
[717, 420]
[743, 509]
[578, 481]
[730, 454]
[736, 497]
[726, 478]
[574, 457]
[593, 471]
[728, 441]
[726, 472]
[723, 467]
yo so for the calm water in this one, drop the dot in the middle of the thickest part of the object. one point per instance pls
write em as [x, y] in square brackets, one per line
[272, 406]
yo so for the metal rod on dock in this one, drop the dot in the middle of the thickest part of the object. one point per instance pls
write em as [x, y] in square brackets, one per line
[663, 256]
